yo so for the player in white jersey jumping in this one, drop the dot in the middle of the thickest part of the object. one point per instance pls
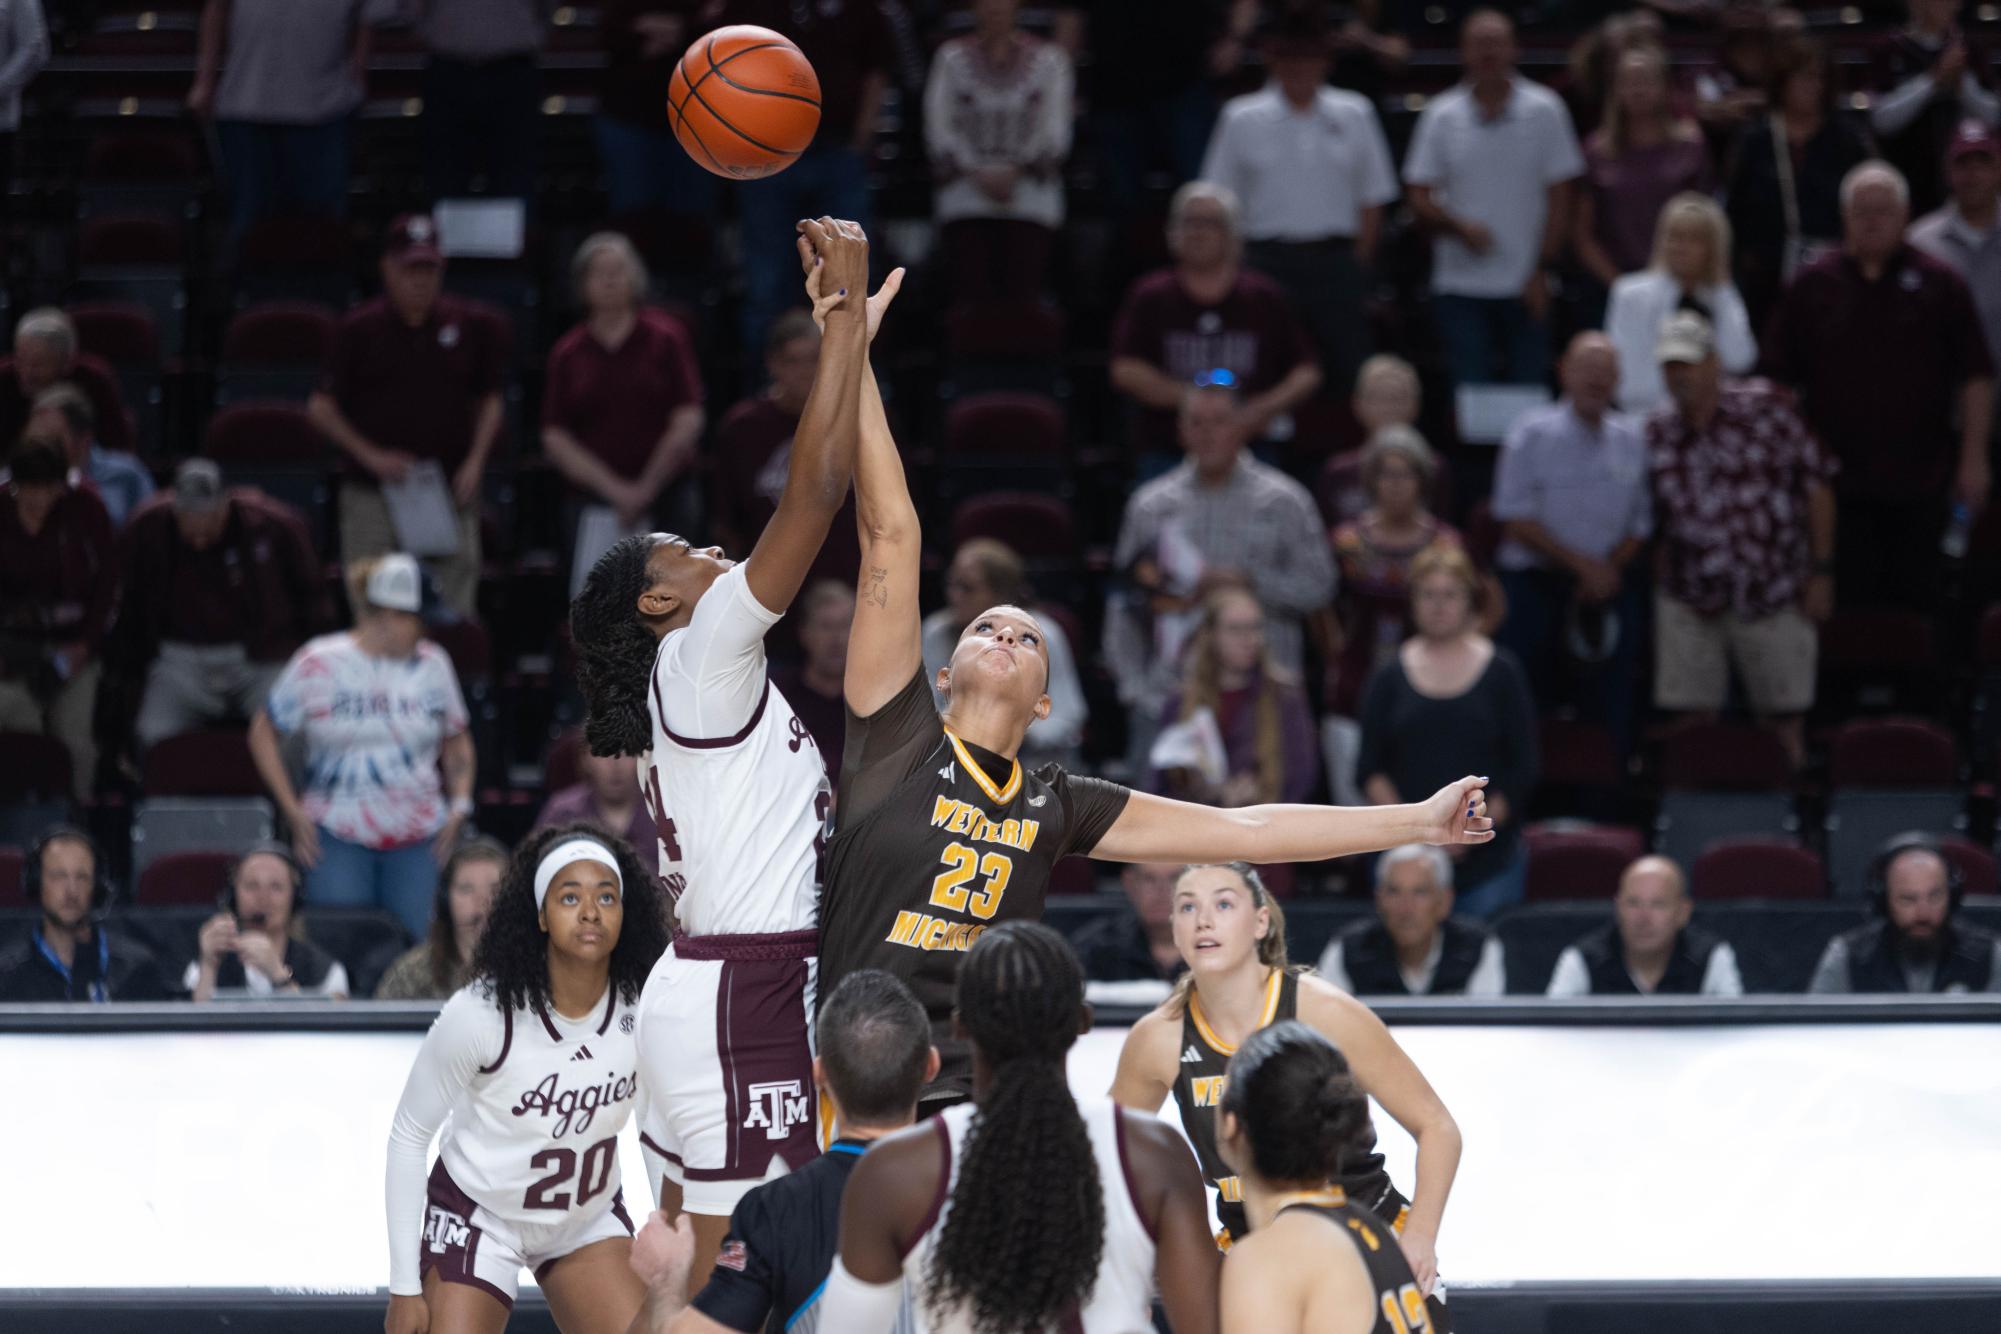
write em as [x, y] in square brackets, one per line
[670, 642]
[534, 1064]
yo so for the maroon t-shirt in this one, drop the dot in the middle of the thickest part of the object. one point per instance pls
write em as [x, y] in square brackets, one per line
[57, 586]
[417, 388]
[753, 451]
[616, 401]
[1879, 367]
[1252, 332]
[846, 41]
[97, 383]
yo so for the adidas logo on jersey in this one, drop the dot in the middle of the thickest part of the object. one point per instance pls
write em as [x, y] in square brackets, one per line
[950, 772]
[1038, 802]
[583, 1054]
[1191, 1056]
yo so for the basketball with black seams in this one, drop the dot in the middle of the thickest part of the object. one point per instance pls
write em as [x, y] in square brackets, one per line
[744, 102]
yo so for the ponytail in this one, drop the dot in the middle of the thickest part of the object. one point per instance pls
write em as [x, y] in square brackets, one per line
[614, 651]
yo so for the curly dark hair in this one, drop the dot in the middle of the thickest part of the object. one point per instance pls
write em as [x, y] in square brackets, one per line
[614, 651]
[1021, 1244]
[1300, 1107]
[513, 952]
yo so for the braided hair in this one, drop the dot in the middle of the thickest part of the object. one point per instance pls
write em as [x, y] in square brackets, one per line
[614, 651]
[1021, 1244]
[513, 953]
[1301, 1111]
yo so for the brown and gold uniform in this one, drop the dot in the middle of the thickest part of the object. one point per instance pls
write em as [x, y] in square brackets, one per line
[935, 840]
[1401, 1307]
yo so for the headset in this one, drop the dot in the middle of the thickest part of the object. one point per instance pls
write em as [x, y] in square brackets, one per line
[1879, 871]
[101, 891]
[226, 899]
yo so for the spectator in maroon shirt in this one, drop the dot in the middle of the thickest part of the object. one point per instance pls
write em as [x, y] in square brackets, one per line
[1644, 155]
[754, 447]
[1207, 312]
[813, 688]
[58, 581]
[1887, 352]
[606, 794]
[414, 376]
[622, 405]
[46, 353]
[220, 588]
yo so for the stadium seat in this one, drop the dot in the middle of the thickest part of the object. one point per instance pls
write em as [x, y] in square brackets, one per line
[273, 350]
[1878, 659]
[1892, 752]
[33, 767]
[144, 172]
[11, 862]
[121, 332]
[276, 448]
[183, 878]
[1977, 867]
[1579, 754]
[140, 260]
[1042, 528]
[1573, 860]
[1758, 868]
[295, 260]
[1001, 437]
[469, 647]
[213, 762]
[1722, 781]
[1009, 344]
[165, 826]
[1888, 776]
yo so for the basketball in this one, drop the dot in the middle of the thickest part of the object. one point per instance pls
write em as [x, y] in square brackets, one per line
[745, 102]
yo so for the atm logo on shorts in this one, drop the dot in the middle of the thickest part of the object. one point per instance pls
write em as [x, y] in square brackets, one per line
[776, 1106]
[445, 1230]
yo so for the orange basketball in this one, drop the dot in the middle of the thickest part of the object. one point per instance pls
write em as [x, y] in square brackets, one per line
[744, 101]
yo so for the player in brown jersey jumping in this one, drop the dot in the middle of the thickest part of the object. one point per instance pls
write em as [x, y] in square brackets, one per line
[940, 832]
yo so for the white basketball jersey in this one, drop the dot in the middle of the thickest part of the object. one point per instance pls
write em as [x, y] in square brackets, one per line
[534, 1135]
[736, 785]
[1122, 1300]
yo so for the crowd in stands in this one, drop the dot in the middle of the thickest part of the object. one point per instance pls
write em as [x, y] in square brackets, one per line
[1361, 400]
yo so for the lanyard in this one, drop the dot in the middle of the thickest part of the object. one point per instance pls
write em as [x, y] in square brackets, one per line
[97, 991]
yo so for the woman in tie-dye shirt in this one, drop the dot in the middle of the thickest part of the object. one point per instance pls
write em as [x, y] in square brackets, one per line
[380, 714]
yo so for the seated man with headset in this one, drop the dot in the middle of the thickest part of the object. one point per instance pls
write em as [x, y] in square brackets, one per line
[248, 950]
[1915, 944]
[71, 954]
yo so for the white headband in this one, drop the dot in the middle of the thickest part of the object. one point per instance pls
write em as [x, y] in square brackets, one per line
[575, 850]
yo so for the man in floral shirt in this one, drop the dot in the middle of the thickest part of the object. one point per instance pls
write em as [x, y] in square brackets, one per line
[1745, 526]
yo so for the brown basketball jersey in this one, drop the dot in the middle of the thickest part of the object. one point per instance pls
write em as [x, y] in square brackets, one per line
[1400, 1305]
[936, 840]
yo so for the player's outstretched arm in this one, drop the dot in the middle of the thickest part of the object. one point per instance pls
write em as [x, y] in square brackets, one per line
[823, 448]
[1157, 829]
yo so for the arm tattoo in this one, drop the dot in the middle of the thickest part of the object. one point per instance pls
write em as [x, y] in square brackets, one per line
[877, 591]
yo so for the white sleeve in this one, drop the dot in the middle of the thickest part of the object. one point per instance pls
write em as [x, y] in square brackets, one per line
[711, 676]
[1721, 977]
[1220, 165]
[1830, 975]
[1067, 710]
[1490, 977]
[853, 1304]
[1051, 137]
[466, 1037]
[1736, 345]
[1570, 977]
[1893, 112]
[942, 141]
[335, 982]
[1977, 101]
[1626, 326]
[1333, 966]
[1566, 160]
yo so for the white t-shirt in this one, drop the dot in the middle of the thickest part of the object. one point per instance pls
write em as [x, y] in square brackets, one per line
[1302, 175]
[1497, 173]
[978, 116]
[736, 785]
[372, 728]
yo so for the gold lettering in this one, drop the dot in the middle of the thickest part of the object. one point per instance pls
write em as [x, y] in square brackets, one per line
[934, 931]
[1010, 833]
[905, 930]
[941, 812]
[1029, 828]
[1208, 1089]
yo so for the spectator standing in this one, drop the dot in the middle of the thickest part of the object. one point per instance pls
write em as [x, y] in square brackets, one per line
[753, 451]
[46, 353]
[1490, 169]
[1745, 521]
[1886, 350]
[1135, 944]
[850, 47]
[1414, 946]
[1218, 517]
[1920, 943]
[1690, 270]
[986, 573]
[1648, 949]
[605, 796]
[24, 49]
[250, 950]
[1784, 191]
[645, 166]
[482, 95]
[622, 407]
[1965, 234]
[1928, 76]
[379, 709]
[58, 586]
[1451, 700]
[997, 119]
[441, 963]
[121, 481]
[1207, 312]
[1644, 155]
[813, 688]
[414, 376]
[1313, 171]
[71, 953]
[220, 588]
[283, 79]
[1571, 494]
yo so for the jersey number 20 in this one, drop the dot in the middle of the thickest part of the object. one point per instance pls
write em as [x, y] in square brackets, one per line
[952, 888]
[562, 1165]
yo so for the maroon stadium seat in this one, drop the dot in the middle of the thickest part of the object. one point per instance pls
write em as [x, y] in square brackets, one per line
[121, 332]
[141, 157]
[1037, 526]
[130, 242]
[214, 762]
[1579, 753]
[1892, 752]
[11, 862]
[561, 767]
[1758, 868]
[33, 767]
[1726, 757]
[1023, 329]
[279, 333]
[1004, 424]
[1578, 861]
[1976, 864]
[189, 878]
[266, 433]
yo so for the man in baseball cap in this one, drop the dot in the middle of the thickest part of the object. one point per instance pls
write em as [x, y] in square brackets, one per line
[1964, 234]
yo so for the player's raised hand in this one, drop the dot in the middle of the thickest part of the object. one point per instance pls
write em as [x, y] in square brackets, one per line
[663, 1252]
[842, 248]
[1457, 813]
[824, 301]
[407, 1315]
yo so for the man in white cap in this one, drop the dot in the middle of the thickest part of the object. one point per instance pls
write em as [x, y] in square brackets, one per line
[1745, 523]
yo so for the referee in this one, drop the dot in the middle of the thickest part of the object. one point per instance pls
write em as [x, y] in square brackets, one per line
[875, 1057]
